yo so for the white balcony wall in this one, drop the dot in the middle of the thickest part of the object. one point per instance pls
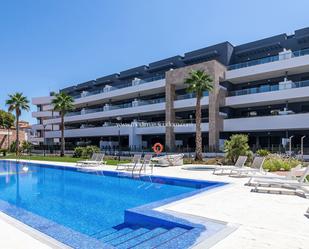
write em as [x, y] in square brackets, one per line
[38, 127]
[42, 100]
[44, 114]
[185, 128]
[47, 107]
[278, 122]
[258, 99]
[150, 130]
[131, 111]
[90, 132]
[190, 103]
[124, 93]
[37, 139]
[269, 70]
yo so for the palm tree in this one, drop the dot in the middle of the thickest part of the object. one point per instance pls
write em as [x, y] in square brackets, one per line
[63, 103]
[17, 102]
[7, 120]
[198, 82]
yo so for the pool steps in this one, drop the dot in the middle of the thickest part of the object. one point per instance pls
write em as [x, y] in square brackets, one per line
[139, 237]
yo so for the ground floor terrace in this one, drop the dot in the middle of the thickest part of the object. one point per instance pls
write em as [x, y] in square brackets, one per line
[256, 220]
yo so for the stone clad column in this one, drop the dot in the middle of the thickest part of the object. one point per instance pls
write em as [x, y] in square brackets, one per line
[169, 116]
[216, 99]
[177, 77]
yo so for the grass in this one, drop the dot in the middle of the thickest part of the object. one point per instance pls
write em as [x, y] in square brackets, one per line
[65, 159]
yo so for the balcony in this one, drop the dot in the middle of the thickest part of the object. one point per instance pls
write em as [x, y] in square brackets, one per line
[128, 109]
[38, 127]
[37, 139]
[268, 67]
[270, 94]
[187, 101]
[110, 130]
[128, 90]
[44, 114]
[268, 123]
[42, 100]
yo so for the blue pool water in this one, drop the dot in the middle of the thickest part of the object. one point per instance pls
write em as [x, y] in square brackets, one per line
[87, 203]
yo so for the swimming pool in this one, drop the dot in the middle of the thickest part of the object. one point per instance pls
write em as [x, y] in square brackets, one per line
[97, 209]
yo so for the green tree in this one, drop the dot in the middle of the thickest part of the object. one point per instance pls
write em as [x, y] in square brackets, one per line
[17, 102]
[237, 146]
[26, 147]
[7, 121]
[62, 103]
[198, 82]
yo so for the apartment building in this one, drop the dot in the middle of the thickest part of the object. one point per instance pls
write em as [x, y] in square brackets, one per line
[261, 89]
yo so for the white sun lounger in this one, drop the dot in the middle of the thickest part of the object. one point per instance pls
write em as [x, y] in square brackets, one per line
[256, 167]
[98, 160]
[144, 165]
[297, 184]
[169, 160]
[127, 166]
[92, 159]
[239, 164]
[291, 175]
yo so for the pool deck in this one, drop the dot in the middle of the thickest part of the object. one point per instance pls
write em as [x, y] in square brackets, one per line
[262, 220]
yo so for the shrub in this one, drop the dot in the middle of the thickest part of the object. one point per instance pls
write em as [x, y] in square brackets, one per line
[277, 163]
[13, 146]
[78, 152]
[262, 152]
[85, 152]
[89, 150]
[237, 146]
[26, 147]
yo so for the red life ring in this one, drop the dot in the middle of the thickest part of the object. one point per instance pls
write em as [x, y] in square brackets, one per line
[157, 148]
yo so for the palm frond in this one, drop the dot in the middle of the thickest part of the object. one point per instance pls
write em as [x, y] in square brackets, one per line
[198, 82]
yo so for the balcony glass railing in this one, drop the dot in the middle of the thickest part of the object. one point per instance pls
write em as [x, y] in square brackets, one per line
[124, 85]
[115, 107]
[267, 60]
[270, 88]
[189, 95]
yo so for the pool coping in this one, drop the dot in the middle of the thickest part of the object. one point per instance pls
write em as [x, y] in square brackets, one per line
[196, 224]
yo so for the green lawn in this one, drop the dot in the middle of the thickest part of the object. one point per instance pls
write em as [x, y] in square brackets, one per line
[66, 159]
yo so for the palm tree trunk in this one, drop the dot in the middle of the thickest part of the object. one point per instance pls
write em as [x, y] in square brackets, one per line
[17, 134]
[198, 138]
[8, 139]
[62, 136]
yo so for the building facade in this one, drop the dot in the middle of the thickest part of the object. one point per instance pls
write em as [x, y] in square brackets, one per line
[260, 88]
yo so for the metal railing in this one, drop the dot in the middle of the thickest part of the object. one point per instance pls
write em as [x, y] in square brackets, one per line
[190, 95]
[115, 107]
[270, 88]
[121, 86]
[267, 60]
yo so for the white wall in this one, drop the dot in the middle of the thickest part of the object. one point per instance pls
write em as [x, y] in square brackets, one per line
[278, 122]
[269, 70]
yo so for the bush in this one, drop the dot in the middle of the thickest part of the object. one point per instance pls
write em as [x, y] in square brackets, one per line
[13, 146]
[26, 147]
[78, 152]
[279, 163]
[237, 146]
[89, 150]
[262, 152]
[85, 152]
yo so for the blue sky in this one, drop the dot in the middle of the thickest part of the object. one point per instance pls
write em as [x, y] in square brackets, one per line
[50, 44]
